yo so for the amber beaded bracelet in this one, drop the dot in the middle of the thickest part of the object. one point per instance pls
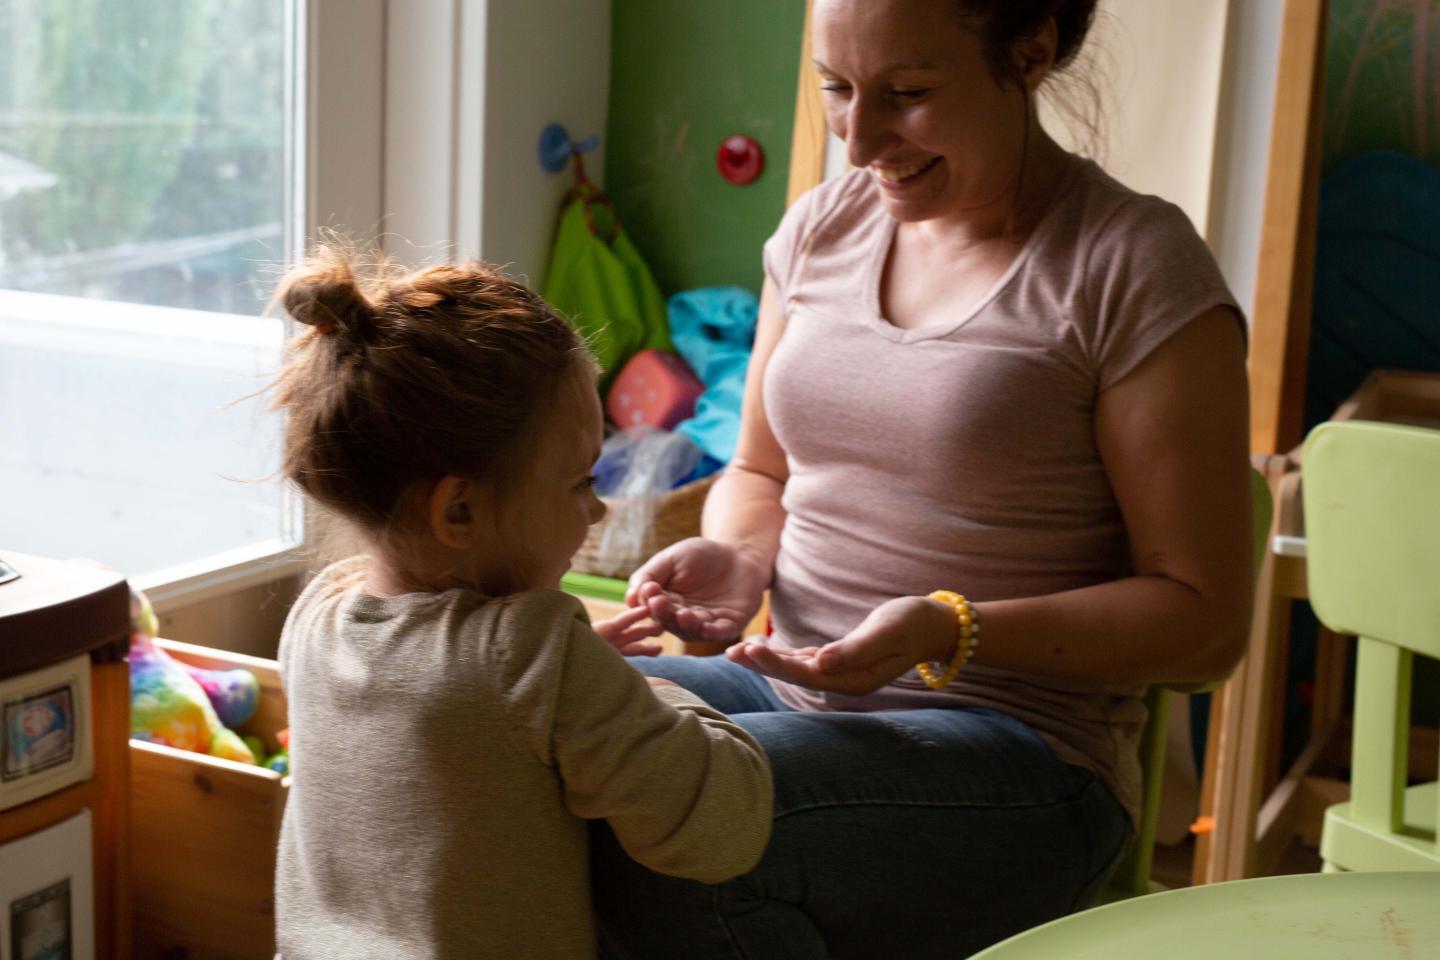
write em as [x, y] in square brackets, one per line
[965, 643]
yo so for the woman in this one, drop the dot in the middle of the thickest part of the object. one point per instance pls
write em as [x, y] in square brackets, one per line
[985, 366]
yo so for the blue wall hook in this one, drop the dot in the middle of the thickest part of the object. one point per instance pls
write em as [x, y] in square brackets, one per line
[556, 148]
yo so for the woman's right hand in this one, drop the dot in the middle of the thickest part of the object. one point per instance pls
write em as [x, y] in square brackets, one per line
[700, 589]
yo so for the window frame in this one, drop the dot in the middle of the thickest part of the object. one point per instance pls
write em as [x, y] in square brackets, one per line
[337, 118]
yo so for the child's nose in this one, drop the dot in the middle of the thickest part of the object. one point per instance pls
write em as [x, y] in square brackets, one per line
[597, 509]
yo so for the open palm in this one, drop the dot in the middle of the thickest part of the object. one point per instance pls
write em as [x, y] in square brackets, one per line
[700, 589]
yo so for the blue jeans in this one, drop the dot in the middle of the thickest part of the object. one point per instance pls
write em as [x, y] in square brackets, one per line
[915, 834]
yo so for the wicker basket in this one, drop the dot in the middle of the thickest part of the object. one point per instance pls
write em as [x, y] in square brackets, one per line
[636, 528]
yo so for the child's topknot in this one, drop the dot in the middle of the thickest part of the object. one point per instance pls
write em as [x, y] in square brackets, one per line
[404, 378]
[324, 295]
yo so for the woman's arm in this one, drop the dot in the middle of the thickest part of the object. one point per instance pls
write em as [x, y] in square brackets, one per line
[743, 508]
[1173, 437]
[708, 588]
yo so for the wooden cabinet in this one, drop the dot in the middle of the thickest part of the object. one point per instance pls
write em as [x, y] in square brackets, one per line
[53, 615]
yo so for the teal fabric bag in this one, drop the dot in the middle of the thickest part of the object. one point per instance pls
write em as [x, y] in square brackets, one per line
[599, 281]
[714, 330]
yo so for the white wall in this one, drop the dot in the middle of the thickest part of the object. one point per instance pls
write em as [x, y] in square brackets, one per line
[1188, 91]
[1157, 67]
[546, 61]
[1243, 145]
[470, 84]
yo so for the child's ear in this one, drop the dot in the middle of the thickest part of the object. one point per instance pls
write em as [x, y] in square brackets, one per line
[451, 516]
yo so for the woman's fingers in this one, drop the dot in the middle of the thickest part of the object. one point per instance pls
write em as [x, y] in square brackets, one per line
[859, 670]
[641, 588]
[792, 666]
[721, 628]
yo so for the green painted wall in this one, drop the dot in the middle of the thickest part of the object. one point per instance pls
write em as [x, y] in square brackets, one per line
[684, 75]
[1382, 79]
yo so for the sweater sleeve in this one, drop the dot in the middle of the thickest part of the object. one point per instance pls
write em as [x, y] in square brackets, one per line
[687, 791]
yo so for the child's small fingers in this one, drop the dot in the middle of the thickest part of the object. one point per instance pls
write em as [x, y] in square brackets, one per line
[630, 616]
[640, 632]
[642, 649]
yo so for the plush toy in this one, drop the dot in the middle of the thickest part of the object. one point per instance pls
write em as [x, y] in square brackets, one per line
[168, 705]
[233, 693]
[280, 762]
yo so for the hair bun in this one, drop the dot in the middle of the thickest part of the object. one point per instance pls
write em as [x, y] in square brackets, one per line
[326, 297]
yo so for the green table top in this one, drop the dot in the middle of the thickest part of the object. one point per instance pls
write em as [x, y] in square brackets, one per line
[1364, 916]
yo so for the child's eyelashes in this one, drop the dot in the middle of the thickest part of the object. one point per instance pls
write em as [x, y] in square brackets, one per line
[588, 483]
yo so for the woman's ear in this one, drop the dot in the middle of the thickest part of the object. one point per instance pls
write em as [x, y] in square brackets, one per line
[1035, 55]
[450, 514]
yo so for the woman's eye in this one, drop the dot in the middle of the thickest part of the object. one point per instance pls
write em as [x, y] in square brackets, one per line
[834, 87]
[909, 94]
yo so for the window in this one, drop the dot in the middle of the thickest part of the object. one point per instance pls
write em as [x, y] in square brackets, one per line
[150, 187]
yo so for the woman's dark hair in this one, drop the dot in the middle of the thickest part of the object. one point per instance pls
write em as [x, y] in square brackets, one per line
[1003, 23]
[404, 379]
[1075, 94]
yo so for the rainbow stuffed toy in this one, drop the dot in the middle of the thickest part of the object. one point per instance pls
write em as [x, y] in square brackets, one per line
[181, 706]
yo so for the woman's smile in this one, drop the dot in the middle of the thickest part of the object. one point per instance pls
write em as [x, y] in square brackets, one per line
[894, 175]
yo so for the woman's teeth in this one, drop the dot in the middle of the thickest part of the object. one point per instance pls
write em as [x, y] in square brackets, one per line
[896, 174]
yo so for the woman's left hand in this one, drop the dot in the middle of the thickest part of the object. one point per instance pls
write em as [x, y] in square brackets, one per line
[895, 636]
[628, 632]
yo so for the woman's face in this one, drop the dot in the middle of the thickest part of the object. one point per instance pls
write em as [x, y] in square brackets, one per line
[908, 88]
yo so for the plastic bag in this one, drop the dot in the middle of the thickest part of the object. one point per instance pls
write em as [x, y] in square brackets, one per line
[637, 470]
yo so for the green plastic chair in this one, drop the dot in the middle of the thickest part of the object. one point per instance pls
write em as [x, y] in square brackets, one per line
[1308, 916]
[1371, 495]
[1132, 874]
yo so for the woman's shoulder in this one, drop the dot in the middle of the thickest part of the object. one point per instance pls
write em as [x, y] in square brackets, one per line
[1102, 210]
[844, 202]
[837, 215]
[849, 198]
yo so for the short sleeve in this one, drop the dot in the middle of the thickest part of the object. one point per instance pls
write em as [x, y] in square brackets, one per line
[783, 252]
[1148, 274]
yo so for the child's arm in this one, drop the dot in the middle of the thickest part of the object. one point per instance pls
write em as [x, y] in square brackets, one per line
[686, 790]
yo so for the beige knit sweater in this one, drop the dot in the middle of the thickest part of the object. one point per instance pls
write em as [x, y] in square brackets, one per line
[447, 750]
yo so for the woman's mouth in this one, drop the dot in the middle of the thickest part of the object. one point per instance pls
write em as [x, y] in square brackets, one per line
[901, 173]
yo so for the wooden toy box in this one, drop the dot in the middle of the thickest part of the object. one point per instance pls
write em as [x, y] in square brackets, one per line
[204, 835]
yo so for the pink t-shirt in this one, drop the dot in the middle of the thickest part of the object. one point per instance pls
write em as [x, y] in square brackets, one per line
[962, 455]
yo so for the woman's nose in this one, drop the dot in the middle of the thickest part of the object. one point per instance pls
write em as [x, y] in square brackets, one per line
[864, 131]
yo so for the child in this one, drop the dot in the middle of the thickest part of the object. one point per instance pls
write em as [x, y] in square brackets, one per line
[455, 719]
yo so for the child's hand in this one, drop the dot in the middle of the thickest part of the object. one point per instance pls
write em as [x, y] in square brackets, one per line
[627, 633]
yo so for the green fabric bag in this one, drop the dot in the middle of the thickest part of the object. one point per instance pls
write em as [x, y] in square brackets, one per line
[603, 286]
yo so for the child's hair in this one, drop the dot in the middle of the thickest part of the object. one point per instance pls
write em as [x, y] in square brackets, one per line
[405, 378]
